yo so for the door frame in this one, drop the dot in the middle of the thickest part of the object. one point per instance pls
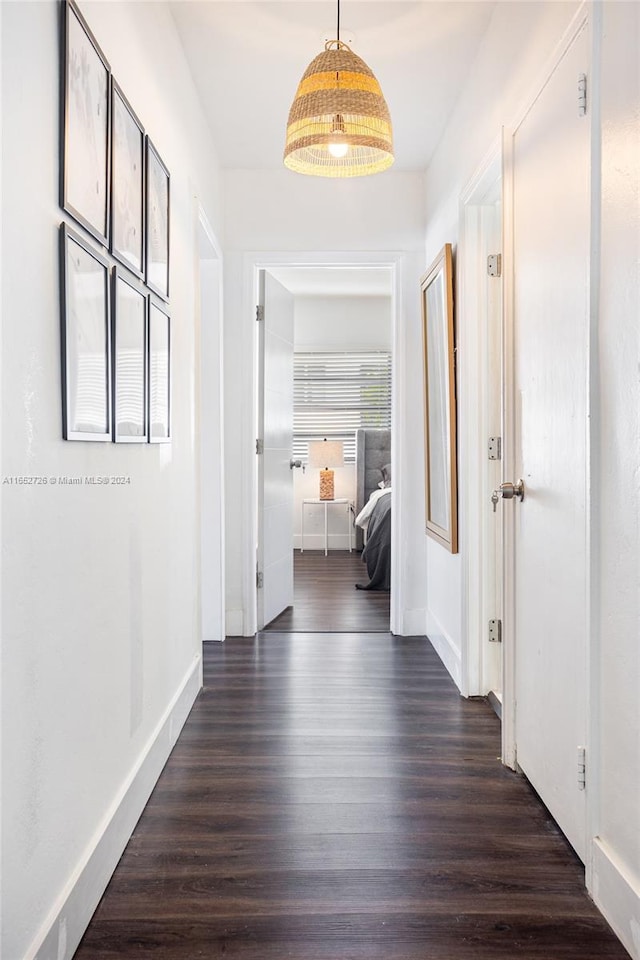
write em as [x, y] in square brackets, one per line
[209, 427]
[480, 376]
[253, 263]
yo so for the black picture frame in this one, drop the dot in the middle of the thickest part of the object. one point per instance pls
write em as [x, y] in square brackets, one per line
[85, 339]
[158, 206]
[86, 128]
[159, 371]
[129, 368]
[127, 183]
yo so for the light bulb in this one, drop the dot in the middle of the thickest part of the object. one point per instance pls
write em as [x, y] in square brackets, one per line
[338, 150]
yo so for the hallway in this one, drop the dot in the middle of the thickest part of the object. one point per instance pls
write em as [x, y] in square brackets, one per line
[326, 600]
[333, 798]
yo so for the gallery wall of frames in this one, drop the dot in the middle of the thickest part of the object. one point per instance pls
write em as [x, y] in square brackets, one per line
[114, 275]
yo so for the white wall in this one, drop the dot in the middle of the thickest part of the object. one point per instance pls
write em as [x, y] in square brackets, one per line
[272, 212]
[101, 652]
[616, 680]
[520, 39]
[333, 323]
[342, 323]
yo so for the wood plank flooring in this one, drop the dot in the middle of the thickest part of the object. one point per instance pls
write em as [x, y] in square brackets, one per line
[326, 599]
[333, 798]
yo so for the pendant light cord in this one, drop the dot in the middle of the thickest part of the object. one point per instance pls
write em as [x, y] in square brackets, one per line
[338, 32]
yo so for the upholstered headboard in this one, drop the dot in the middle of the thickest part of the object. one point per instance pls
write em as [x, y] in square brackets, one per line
[373, 452]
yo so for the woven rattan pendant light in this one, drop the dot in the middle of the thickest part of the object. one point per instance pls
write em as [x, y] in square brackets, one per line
[339, 123]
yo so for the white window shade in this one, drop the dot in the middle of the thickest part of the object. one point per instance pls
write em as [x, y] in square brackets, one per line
[337, 393]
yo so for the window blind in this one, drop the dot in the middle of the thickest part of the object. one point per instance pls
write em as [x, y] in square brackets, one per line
[335, 394]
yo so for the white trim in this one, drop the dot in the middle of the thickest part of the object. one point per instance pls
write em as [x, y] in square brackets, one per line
[248, 464]
[235, 623]
[61, 932]
[205, 223]
[476, 521]
[578, 22]
[414, 623]
[509, 750]
[252, 263]
[210, 416]
[259, 366]
[616, 893]
[489, 170]
[593, 485]
[335, 541]
[398, 418]
[445, 647]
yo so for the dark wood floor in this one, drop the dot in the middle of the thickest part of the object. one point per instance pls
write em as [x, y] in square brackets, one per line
[338, 800]
[326, 599]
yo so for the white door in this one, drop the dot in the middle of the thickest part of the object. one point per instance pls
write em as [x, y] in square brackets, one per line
[551, 267]
[275, 426]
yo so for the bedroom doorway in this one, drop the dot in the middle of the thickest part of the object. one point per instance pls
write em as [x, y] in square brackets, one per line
[338, 357]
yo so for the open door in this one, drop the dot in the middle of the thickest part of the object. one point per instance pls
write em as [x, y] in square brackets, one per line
[550, 425]
[274, 449]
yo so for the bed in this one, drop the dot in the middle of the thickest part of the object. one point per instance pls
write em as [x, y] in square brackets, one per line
[373, 505]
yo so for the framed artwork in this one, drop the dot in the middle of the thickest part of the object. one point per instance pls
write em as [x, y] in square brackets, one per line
[159, 373]
[130, 423]
[157, 223]
[127, 183]
[441, 485]
[85, 339]
[86, 133]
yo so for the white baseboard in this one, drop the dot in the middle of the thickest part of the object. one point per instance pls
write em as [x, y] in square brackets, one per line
[68, 919]
[414, 623]
[234, 620]
[315, 541]
[446, 649]
[616, 892]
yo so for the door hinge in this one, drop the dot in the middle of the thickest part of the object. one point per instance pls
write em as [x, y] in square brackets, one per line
[495, 631]
[259, 446]
[259, 313]
[582, 94]
[495, 448]
[259, 579]
[582, 768]
[494, 265]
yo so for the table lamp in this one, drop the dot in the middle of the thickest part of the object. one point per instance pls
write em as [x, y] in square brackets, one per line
[325, 454]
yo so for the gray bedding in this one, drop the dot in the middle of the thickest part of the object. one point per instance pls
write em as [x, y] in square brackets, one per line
[377, 552]
[373, 451]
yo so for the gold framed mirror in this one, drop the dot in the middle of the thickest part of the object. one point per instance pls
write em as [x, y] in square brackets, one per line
[438, 337]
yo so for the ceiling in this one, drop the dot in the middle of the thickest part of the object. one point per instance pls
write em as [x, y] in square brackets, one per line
[335, 281]
[247, 57]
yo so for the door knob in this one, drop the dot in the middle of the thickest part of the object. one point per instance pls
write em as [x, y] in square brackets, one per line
[296, 463]
[511, 490]
[508, 491]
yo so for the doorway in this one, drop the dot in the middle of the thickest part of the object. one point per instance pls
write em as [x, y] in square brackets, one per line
[331, 328]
